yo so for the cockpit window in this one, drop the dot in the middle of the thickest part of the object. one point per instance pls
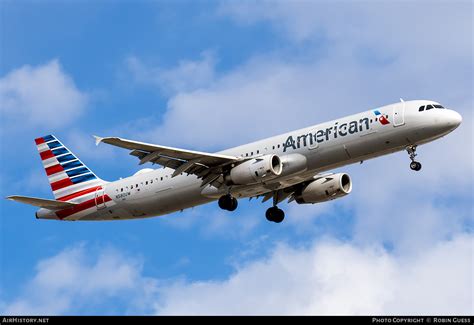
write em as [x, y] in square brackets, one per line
[427, 107]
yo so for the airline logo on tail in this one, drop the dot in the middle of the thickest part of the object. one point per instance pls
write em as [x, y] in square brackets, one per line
[382, 119]
[67, 175]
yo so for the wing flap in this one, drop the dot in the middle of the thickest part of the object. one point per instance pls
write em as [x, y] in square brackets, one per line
[204, 165]
[42, 203]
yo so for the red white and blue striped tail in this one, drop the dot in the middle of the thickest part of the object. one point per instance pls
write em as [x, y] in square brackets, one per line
[69, 178]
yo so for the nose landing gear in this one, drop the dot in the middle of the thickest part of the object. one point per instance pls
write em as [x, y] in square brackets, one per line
[414, 165]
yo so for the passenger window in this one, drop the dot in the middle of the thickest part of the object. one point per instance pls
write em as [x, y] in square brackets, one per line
[136, 185]
[429, 107]
[151, 181]
[273, 147]
[161, 178]
[131, 187]
[278, 146]
[258, 151]
[121, 190]
[421, 109]
[146, 183]
[251, 153]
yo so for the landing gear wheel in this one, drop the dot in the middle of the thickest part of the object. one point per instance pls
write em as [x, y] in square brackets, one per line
[415, 165]
[269, 214]
[233, 205]
[227, 202]
[280, 215]
[418, 167]
[224, 201]
[275, 214]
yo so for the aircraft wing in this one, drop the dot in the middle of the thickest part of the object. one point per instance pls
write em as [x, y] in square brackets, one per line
[42, 203]
[207, 166]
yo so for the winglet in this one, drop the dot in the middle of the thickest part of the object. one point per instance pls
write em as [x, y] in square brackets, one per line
[98, 139]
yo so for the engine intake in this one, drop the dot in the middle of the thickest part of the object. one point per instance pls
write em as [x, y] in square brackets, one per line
[256, 170]
[324, 189]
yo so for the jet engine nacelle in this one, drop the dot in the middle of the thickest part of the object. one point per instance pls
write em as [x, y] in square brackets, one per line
[293, 163]
[256, 170]
[327, 188]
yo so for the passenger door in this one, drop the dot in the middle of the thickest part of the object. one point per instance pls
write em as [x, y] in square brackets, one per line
[399, 114]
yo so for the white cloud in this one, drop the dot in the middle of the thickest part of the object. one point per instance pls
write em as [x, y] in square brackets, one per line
[75, 280]
[376, 25]
[41, 95]
[328, 277]
[269, 96]
[359, 56]
[257, 96]
[187, 75]
[336, 278]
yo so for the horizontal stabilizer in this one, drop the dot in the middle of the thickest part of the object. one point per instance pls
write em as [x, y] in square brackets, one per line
[42, 203]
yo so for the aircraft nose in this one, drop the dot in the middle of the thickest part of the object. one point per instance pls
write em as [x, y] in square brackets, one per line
[453, 119]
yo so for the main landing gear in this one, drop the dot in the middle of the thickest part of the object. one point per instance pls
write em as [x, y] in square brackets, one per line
[228, 202]
[414, 165]
[275, 214]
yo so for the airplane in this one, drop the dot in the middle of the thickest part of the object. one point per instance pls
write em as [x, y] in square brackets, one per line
[293, 166]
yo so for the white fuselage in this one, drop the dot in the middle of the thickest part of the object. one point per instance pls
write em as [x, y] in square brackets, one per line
[325, 146]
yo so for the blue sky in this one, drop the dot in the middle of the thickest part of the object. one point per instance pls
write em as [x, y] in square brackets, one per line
[208, 75]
